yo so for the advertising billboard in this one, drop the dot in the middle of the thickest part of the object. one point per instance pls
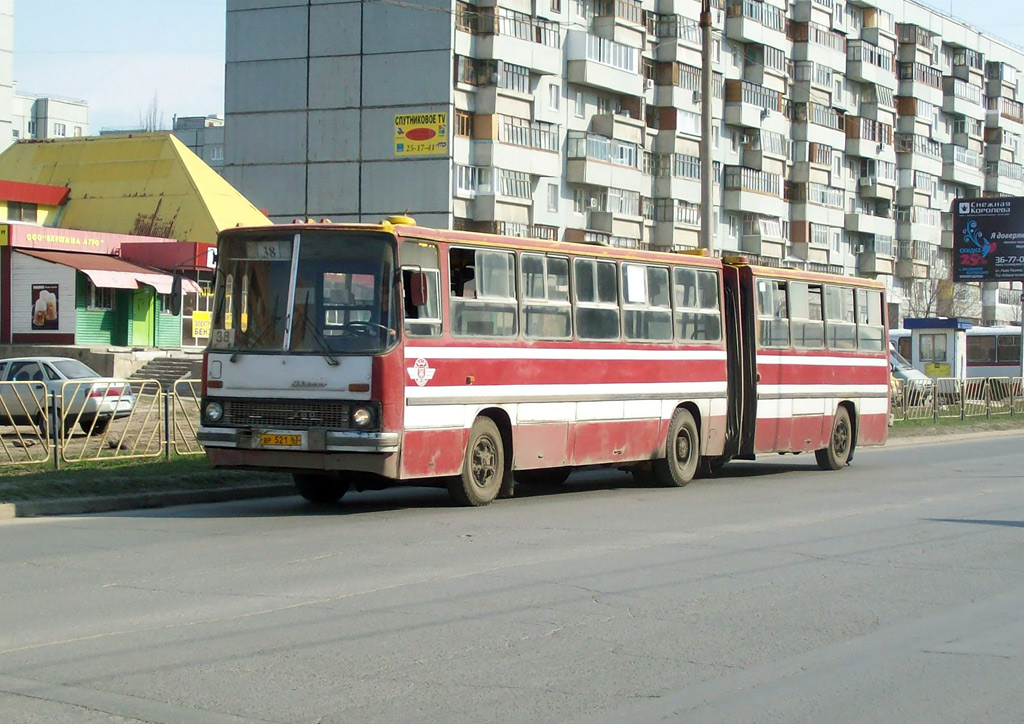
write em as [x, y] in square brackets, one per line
[421, 134]
[988, 239]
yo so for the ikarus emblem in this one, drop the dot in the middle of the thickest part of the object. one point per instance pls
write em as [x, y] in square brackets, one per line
[421, 372]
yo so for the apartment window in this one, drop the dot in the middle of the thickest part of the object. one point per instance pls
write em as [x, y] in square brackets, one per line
[579, 201]
[554, 92]
[552, 197]
[31, 128]
[580, 107]
[60, 129]
[78, 131]
[604, 105]
[556, 6]
[513, 183]
[515, 78]
[217, 153]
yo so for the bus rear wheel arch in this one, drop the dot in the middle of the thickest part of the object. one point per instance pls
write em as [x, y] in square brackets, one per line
[682, 451]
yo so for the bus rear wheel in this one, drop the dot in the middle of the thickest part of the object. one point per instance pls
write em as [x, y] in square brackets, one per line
[682, 452]
[319, 488]
[483, 468]
[840, 443]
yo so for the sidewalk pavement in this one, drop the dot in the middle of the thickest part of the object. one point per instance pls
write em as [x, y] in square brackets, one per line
[136, 501]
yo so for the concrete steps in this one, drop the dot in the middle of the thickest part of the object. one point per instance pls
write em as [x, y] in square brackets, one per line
[166, 370]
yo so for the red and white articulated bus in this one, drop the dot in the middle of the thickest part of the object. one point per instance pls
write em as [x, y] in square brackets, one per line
[367, 355]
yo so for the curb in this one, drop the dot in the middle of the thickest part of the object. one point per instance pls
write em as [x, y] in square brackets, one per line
[137, 501]
[141, 501]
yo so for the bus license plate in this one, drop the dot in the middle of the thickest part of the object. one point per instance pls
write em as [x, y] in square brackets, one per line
[268, 439]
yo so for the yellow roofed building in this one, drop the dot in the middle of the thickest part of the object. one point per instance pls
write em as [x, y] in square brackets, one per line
[145, 184]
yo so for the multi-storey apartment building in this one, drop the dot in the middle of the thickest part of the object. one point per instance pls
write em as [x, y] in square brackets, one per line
[204, 136]
[41, 116]
[841, 131]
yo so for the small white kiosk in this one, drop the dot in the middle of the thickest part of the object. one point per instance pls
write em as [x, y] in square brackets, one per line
[938, 345]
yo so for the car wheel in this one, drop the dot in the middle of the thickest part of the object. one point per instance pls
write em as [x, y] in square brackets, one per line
[483, 468]
[682, 452]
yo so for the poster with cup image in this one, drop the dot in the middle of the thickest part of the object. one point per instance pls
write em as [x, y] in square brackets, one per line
[44, 306]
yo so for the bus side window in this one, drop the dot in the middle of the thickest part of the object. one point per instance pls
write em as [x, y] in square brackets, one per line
[870, 330]
[841, 324]
[483, 294]
[772, 313]
[805, 312]
[597, 299]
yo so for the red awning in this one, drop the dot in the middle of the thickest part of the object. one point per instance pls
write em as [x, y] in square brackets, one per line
[109, 272]
[26, 193]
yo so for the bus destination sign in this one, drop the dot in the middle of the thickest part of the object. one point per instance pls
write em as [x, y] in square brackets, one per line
[988, 239]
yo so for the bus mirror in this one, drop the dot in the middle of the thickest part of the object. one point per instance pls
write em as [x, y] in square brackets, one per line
[418, 288]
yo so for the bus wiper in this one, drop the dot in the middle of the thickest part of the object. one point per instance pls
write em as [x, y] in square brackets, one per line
[318, 336]
[270, 324]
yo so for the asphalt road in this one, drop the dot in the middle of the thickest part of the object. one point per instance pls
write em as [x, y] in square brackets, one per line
[890, 591]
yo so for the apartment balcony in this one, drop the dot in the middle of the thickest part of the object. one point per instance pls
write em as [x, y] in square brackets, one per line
[874, 265]
[669, 236]
[761, 245]
[749, 105]
[534, 161]
[969, 66]
[874, 187]
[815, 213]
[962, 166]
[1005, 113]
[946, 237]
[918, 153]
[863, 222]
[603, 63]
[818, 123]
[600, 161]
[879, 27]
[751, 21]
[619, 20]
[1000, 79]
[919, 224]
[913, 259]
[495, 207]
[867, 63]
[813, 41]
[678, 39]
[619, 126]
[963, 99]
[918, 80]
[869, 139]
[1005, 178]
[750, 191]
[676, 187]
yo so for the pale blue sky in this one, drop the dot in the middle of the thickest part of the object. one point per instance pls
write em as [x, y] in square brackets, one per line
[119, 54]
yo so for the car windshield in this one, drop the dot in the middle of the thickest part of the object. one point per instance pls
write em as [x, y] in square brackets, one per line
[72, 369]
[898, 361]
[337, 296]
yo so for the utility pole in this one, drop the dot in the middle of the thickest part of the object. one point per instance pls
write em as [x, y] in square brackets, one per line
[707, 181]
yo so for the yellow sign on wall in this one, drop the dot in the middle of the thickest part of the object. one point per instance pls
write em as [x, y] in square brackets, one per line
[421, 134]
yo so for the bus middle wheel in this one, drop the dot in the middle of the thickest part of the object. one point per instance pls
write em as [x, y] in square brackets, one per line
[682, 452]
[483, 468]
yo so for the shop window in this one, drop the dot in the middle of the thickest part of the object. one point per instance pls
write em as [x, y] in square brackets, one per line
[100, 298]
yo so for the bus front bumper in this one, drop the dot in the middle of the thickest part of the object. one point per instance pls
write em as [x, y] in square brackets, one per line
[311, 440]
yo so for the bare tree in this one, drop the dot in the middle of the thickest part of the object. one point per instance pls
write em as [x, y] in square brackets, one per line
[943, 298]
[153, 119]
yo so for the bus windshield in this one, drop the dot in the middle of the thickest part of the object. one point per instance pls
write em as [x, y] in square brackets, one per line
[319, 292]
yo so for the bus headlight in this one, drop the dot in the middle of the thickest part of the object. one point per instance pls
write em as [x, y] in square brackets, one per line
[214, 411]
[362, 417]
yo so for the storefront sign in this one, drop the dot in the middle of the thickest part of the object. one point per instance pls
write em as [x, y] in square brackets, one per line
[421, 134]
[44, 307]
[201, 323]
[988, 239]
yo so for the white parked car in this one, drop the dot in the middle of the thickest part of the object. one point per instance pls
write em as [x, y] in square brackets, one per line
[82, 394]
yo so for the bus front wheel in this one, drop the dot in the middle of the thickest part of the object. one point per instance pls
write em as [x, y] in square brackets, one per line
[682, 452]
[840, 443]
[483, 468]
[319, 488]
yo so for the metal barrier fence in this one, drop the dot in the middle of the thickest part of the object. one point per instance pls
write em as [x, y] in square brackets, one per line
[81, 421]
[951, 398]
